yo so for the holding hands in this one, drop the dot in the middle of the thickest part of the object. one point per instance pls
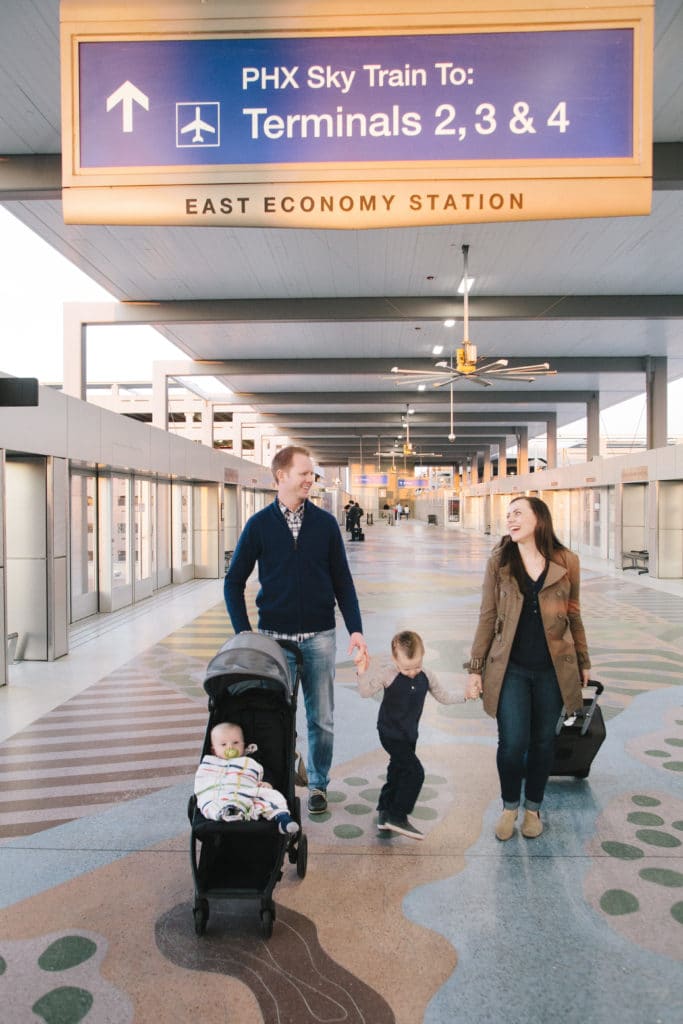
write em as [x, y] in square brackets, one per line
[362, 657]
[473, 687]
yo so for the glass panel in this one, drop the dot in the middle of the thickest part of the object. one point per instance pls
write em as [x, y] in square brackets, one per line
[163, 529]
[120, 489]
[83, 535]
[185, 525]
[143, 538]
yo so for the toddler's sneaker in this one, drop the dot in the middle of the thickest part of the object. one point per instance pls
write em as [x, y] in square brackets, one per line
[403, 827]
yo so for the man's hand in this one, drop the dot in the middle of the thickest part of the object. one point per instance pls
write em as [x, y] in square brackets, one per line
[362, 658]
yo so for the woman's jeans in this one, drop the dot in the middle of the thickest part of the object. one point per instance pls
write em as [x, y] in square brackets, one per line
[405, 776]
[317, 685]
[528, 709]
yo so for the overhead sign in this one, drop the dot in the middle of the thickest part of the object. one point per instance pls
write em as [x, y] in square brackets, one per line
[418, 482]
[370, 480]
[444, 124]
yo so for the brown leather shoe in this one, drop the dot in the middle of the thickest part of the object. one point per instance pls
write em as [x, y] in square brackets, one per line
[506, 824]
[532, 826]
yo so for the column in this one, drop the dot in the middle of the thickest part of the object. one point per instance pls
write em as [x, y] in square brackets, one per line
[593, 427]
[503, 457]
[522, 450]
[656, 398]
[486, 476]
[551, 441]
[159, 396]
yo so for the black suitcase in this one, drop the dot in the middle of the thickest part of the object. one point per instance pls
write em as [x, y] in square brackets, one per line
[579, 738]
[357, 533]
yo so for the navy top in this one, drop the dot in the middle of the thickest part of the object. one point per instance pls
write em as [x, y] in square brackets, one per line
[530, 647]
[301, 578]
[401, 707]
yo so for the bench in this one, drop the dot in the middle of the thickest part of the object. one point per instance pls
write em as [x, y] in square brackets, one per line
[636, 559]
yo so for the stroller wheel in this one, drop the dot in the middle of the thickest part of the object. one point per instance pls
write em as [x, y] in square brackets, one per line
[302, 856]
[200, 912]
[267, 918]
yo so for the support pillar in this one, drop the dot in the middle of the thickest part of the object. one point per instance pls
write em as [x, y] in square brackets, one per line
[207, 423]
[503, 457]
[522, 450]
[551, 441]
[486, 476]
[593, 427]
[74, 353]
[656, 398]
[159, 396]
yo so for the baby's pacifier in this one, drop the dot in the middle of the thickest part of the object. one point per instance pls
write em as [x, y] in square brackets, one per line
[231, 752]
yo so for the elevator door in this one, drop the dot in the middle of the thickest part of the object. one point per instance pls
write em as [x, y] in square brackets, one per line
[26, 553]
[83, 527]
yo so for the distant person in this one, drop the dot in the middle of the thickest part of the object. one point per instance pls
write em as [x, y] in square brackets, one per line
[398, 510]
[303, 573]
[529, 656]
[229, 784]
[405, 684]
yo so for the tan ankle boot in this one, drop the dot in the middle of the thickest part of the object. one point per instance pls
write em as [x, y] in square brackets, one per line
[506, 824]
[532, 826]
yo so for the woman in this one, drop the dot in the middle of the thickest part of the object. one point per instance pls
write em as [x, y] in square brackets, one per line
[529, 655]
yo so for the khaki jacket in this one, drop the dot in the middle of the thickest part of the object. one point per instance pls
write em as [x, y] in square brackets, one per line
[501, 607]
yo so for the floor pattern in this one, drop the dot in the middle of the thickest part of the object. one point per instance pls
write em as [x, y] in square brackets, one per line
[382, 929]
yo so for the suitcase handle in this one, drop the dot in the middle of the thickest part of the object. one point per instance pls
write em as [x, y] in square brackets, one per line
[585, 715]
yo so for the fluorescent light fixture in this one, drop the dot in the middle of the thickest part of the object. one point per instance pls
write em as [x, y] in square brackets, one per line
[461, 286]
[437, 350]
[449, 323]
[421, 387]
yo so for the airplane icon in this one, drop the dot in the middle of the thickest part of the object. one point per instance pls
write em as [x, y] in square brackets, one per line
[198, 126]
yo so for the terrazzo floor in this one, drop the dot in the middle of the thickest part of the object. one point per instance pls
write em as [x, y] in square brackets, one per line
[584, 924]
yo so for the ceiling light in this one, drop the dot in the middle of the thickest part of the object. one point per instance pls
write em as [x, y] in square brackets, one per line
[437, 350]
[421, 387]
[449, 323]
[466, 282]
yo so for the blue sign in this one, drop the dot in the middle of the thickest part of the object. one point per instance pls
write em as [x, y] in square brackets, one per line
[529, 95]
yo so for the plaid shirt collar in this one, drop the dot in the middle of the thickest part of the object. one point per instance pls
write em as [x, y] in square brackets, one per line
[293, 519]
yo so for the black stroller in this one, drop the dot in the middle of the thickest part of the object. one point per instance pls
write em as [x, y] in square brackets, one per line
[249, 682]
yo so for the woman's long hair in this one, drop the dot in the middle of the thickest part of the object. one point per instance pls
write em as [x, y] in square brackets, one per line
[544, 538]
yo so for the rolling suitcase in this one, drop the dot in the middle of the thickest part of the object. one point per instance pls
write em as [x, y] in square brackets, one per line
[357, 533]
[579, 737]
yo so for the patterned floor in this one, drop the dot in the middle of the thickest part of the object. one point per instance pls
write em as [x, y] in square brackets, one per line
[586, 922]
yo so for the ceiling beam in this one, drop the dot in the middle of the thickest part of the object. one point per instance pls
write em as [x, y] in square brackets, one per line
[395, 309]
[39, 175]
[357, 365]
[477, 396]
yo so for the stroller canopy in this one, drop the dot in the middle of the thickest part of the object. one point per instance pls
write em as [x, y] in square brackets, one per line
[247, 660]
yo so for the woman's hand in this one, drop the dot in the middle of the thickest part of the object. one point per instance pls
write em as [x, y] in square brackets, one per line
[586, 676]
[474, 687]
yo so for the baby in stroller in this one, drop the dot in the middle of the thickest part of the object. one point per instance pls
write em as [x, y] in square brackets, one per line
[229, 784]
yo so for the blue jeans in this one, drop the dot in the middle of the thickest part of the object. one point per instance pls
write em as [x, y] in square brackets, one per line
[317, 685]
[528, 710]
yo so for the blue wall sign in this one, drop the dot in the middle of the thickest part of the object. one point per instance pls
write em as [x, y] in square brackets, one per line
[528, 95]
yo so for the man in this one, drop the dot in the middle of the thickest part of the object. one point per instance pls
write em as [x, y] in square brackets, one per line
[303, 571]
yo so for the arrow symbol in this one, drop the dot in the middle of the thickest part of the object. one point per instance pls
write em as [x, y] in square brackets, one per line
[126, 95]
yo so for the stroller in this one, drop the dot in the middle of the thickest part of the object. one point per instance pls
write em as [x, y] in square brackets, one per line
[249, 682]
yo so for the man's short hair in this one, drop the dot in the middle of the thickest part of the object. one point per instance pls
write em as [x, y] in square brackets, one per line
[284, 458]
[409, 643]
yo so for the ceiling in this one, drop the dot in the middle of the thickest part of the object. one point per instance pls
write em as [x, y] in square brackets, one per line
[311, 321]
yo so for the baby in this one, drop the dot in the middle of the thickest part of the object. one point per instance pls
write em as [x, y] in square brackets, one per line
[229, 784]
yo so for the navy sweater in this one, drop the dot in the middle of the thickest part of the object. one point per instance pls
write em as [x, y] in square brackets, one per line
[299, 580]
